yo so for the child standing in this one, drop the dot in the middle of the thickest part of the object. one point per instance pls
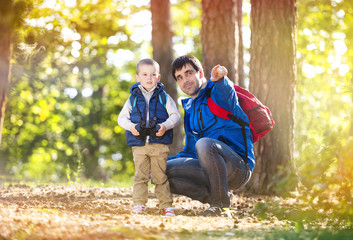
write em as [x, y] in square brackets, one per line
[148, 117]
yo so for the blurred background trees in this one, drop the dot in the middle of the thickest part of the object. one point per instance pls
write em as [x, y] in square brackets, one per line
[72, 66]
[73, 63]
[220, 36]
[162, 44]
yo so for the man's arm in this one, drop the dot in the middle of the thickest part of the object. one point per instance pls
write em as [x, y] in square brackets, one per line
[218, 72]
[223, 92]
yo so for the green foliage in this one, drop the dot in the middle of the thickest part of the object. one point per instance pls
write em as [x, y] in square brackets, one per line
[73, 65]
[261, 209]
[284, 180]
[76, 174]
[324, 104]
[65, 94]
[186, 25]
[323, 130]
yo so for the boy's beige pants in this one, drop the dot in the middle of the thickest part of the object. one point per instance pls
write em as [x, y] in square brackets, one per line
[151, 158]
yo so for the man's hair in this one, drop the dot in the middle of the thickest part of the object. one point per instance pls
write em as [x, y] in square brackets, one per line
[147, 61]
[181, 61]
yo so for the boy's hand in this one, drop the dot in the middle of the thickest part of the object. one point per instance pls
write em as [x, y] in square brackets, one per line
[134, 131]
[218, 72]
[161, 130]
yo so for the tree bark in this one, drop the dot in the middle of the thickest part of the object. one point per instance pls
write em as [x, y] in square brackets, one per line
[241, 77]
[163, 54]
[273, 81]
[6, 48]
[219, 35]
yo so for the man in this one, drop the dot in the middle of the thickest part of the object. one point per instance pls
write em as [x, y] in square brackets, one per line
[213, 159]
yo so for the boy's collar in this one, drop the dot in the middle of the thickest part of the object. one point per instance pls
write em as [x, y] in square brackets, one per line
[146, 91]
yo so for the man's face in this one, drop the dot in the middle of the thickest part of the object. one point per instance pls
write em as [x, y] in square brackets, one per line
[189, 80]
[147, 76]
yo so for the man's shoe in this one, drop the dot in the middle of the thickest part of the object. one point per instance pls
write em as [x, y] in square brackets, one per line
[138, 209]
[216, 212]
[169, 211]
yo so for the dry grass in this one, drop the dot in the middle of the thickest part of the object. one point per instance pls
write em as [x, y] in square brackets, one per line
[77, 212]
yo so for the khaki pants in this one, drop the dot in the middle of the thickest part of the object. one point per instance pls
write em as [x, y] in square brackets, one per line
[151, 158]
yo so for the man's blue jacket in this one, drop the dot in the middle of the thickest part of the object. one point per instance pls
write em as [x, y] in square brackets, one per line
[200, 122]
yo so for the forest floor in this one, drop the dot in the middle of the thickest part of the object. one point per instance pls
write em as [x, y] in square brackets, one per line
[80, 212]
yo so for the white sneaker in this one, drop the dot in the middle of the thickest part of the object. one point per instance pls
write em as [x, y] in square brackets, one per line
[139, 209]
[169, 211]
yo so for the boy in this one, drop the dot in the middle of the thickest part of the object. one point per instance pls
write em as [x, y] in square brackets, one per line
[148, 117]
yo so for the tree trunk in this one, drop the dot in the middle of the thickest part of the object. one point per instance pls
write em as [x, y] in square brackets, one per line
[163, 54]
[219, 35]
[6, 46]
[273, 81]
[241, 77]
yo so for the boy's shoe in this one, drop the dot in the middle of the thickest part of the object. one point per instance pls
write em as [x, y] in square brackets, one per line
[169, 211]
[139, 209]
[216, 211]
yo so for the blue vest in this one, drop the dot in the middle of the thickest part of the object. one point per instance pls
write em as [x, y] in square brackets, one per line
[156, 109]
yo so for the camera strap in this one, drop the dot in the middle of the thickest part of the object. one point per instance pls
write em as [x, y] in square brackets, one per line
[143, 122]
[155, 107]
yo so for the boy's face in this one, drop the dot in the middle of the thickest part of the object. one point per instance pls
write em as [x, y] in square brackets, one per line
[148, 76]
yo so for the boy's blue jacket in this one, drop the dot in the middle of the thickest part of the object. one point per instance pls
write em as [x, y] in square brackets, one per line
[161, 114]
[200, 122]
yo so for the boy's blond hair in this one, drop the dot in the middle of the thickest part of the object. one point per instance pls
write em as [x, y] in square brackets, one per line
[147, 61]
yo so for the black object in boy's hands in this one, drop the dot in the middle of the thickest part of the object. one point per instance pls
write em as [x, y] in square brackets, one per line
[147, 131]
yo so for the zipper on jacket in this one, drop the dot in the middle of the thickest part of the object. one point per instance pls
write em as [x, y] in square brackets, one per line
[209, 123]
[198, 119]
[203, 125]
[192, 118]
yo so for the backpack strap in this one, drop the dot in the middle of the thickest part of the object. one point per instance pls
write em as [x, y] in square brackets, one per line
[222, 113]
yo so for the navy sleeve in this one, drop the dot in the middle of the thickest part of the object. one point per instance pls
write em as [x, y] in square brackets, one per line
[223, 93]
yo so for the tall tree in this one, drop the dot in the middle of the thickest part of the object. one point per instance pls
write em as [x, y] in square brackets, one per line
[219, 34]
[6, 47]
[239, 13]
[273, 81]
[163, 54]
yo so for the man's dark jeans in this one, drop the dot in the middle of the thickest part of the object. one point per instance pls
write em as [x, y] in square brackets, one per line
[208, 178]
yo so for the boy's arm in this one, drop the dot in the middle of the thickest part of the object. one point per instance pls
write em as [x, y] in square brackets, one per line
[173, 112]
[124, 116]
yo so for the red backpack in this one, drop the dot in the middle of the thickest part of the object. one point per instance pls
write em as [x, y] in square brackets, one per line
[260, 117]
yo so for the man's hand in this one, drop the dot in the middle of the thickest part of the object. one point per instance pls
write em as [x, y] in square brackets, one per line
[161, 130]
[218, 72]
[134, 131]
